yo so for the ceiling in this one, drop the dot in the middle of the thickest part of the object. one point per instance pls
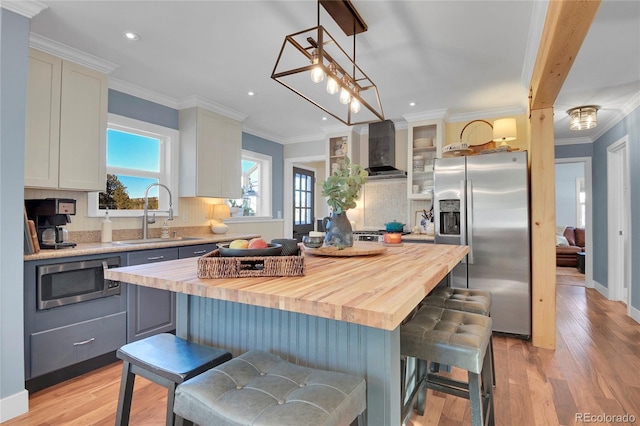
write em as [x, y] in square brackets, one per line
[472, 59]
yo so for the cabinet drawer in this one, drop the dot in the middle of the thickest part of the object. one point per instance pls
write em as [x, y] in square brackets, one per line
[68, 345]
[151, 256]
[196, 251]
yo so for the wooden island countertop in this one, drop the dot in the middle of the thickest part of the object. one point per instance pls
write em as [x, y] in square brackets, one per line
[377, 291]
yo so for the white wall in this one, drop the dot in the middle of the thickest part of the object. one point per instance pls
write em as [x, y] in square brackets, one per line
[566, 175]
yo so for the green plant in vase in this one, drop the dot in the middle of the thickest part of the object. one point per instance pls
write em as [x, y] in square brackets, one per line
[342, 189]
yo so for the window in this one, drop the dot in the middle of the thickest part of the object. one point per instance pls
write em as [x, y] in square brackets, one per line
[256, 186]
[138, 154]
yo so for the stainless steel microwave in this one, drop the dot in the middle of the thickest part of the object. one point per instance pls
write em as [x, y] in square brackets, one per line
[65, 283]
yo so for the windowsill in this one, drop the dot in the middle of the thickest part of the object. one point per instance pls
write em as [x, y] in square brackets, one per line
[251, 219]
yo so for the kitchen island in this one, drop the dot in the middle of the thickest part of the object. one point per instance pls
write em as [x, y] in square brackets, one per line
[343, 314]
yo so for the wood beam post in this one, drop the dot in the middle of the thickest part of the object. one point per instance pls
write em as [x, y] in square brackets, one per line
[543, 223]
[566, 25]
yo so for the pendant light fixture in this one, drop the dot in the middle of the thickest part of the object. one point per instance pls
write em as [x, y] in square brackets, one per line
[583, 118]
[306, 57]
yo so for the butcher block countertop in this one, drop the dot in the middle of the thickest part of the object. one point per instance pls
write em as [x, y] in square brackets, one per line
[377, 291]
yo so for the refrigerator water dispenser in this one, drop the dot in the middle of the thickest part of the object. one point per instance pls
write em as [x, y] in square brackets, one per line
[449, 217]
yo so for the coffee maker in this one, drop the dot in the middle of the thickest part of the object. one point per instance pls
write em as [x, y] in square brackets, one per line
[50, 215]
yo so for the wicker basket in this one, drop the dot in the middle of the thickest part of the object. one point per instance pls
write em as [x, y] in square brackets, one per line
[212, 265]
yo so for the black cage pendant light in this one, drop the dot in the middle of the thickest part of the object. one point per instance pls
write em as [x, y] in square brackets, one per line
[312, 64]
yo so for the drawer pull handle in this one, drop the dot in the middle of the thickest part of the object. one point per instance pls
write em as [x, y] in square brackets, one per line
[155, 258]
[200, 252]
[85, 342]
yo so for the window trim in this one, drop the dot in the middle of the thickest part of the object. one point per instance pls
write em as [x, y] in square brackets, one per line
[169, 157]
[266, 164]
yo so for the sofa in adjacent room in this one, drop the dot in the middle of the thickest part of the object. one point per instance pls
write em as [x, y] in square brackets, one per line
[568, 243]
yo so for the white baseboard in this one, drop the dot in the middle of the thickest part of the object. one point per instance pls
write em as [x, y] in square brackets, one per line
[634, 313]
[14, 405]
[601, 289]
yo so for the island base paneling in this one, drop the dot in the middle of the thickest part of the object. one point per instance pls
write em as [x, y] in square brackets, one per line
[306, 340]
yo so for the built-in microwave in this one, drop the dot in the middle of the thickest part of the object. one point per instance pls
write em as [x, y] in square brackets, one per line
[65, 283]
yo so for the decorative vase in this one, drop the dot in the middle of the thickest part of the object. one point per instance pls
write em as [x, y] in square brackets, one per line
[338, 231]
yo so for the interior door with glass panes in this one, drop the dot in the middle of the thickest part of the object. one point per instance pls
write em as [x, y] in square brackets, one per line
[303, 208]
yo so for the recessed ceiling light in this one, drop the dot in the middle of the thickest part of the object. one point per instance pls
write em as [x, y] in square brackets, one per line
[250, 93]
[130, 35]
[324, 118]
[412, 104]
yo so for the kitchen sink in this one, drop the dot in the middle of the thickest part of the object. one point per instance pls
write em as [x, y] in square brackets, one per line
[155, 240]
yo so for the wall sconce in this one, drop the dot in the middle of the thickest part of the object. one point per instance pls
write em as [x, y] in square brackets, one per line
[306, 57]
[583, 118]
[504, 130]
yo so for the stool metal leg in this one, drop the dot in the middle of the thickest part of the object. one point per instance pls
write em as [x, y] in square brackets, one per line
[126, 393]
[171, 396]
[475, 398]
[421, 371]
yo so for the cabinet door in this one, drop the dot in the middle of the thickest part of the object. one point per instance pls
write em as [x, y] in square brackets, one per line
[149, 310]
[209, 158]
[213, 144]
[83, 127]
[230, 167]
[43, 120]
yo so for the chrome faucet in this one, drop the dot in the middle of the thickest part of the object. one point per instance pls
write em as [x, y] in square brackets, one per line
[145, 217]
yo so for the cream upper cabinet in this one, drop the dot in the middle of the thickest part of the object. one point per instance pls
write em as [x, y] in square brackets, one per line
[424, 146]
[339, 146]
[66, 125]
[210, 154]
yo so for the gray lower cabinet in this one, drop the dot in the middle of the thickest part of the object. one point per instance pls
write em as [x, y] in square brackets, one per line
[150, 311]
[76, 343]
[70, 334]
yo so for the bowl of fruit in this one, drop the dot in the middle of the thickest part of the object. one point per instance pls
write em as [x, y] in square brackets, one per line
[252, 247]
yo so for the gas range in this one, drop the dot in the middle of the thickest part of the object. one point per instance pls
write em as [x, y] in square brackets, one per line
[368, 235]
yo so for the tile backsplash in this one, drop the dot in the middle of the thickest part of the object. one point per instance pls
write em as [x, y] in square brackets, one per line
[384, 201]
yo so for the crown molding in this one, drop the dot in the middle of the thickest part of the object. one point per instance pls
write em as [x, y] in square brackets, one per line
[631, 104]
[198, 101]
[264, 135]
[619, 115]
[427, 115]
[496, 112]
[573, 141]
[139, 92]
[28, 9]
[63, 51]
[536, 26]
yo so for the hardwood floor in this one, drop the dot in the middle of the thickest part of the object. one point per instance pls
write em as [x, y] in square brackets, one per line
[593, 370]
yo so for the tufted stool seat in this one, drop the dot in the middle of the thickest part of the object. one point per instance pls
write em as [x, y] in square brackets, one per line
[164, 359]
[259, 388]
[456, 338]
[461, 299]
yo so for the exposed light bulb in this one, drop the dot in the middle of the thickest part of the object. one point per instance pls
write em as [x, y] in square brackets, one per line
[317, 74]
[332, 83]
[345, 96]
[355, 106]
[355, 103]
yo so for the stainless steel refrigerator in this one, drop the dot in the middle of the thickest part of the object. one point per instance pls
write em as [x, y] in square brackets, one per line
[483, 201]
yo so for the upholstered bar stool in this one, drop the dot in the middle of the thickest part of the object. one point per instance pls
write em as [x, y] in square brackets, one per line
[261, 388]
[456, 338]
[466, 300]
[166, 360]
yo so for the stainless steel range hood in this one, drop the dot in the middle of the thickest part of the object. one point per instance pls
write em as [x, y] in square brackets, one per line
[382, 151]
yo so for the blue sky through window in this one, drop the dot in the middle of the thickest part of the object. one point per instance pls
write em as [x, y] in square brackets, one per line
[131, 151]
